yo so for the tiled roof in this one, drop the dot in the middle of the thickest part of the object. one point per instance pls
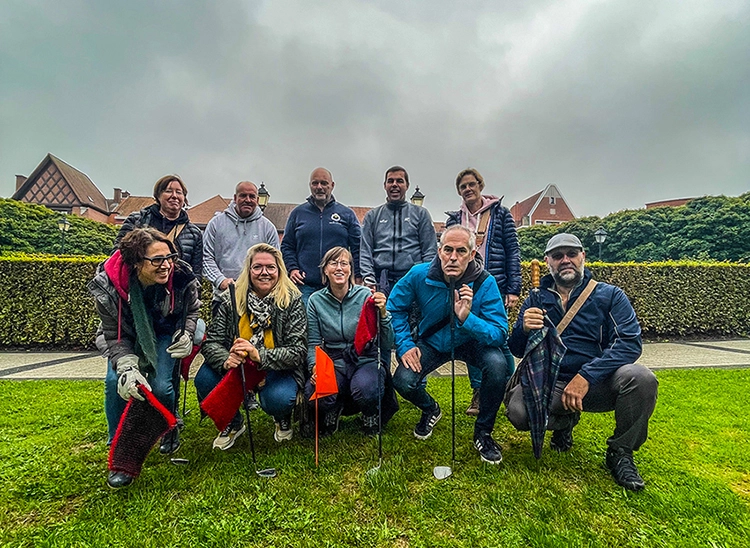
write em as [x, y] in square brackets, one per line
[203, 212]
[131, 204]
[81, 191]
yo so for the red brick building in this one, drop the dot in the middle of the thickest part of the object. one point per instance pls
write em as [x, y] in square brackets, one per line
[547, 207]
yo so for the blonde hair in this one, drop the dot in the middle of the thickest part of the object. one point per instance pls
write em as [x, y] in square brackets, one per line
[333, 254]
[282, 292]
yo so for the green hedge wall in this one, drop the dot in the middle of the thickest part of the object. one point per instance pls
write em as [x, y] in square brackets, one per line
[44, 302]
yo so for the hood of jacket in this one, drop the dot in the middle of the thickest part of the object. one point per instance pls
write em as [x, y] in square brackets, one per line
[231, 212]
[472, 272]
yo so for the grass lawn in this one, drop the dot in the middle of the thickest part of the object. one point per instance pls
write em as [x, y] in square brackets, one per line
[696, 465]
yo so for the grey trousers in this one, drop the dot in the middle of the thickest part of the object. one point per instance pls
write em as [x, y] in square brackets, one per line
[630, 392]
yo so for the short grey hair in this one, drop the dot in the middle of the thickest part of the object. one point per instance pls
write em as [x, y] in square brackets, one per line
[469, 233]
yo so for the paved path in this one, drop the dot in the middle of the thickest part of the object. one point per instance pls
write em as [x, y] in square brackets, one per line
[89, 365]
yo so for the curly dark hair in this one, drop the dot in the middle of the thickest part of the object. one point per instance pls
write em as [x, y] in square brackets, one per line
[135, 243]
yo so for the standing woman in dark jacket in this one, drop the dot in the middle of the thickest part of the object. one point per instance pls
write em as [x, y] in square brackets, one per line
[169, 217]
[142, 294]
[273, 334]
[497, 244]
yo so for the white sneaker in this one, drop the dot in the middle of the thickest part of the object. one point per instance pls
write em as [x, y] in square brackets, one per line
[284, 430]
[228, 436]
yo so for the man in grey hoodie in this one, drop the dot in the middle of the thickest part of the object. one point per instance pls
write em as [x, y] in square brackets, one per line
[230, 234]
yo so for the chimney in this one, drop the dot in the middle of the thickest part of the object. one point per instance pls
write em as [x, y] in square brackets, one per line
[118, 195]
[20, 180]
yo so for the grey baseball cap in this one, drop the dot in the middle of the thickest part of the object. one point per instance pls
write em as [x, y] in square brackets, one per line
[563, 240]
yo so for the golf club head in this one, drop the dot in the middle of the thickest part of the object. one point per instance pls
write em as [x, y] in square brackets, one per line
[180, 462]
[374, 470]
[442, 472]
[266, 473]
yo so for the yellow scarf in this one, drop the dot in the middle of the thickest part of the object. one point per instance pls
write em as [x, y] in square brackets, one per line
[247, 330]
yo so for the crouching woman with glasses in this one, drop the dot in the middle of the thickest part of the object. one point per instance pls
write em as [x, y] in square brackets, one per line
[273, 334]
[148, 303]
[332, 317]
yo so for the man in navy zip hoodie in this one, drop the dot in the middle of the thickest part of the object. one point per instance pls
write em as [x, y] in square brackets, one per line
[313, 228]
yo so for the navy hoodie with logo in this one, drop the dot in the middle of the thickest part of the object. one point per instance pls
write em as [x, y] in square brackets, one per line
[310, 233]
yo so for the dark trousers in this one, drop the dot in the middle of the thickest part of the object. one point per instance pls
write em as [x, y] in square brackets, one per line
[358, 390]
[491, 361]
[630, 392]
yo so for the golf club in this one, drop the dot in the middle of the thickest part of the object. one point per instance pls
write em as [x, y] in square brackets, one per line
[442, 472]
[374, 470]
[266, 472]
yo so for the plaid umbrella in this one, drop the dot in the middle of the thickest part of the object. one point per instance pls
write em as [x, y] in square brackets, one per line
[538, 371]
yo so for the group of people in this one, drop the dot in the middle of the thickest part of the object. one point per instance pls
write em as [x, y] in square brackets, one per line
[434, 301]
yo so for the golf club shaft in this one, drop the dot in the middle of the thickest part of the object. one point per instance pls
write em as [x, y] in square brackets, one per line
[452, 314]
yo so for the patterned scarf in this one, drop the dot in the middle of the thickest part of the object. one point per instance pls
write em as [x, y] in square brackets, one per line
[255, 324]
[145, 338]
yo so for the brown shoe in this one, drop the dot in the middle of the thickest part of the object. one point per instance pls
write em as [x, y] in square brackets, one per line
[473, 409]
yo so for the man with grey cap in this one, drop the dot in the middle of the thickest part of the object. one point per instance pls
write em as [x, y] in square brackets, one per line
[598, 372]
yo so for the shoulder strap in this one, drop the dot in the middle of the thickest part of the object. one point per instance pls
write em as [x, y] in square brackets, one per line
[176, 229]
[484, 220]
[573, 310]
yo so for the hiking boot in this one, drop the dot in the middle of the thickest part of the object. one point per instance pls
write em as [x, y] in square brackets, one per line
[473, 409]
[370, 425]
[562, 440]
[429, 419]
[489, 451]
[118, 480]
[283, 431]
[252, 401]
[330, 423]
[623, 469]
[170, 443]
[229, 435]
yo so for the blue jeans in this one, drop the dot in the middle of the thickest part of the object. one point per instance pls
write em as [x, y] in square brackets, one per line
[490, 361]
[161, 383]
[475, 374]
[306, 291]
[277, 397]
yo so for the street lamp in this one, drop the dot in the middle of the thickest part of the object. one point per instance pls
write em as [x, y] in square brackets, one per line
[263, 196]
[63, 225]
[417, 198]
[600, 235]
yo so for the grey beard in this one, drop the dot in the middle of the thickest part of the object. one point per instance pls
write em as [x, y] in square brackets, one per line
[568, 284]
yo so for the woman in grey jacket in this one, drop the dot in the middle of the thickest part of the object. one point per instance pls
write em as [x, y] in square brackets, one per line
[332, 317]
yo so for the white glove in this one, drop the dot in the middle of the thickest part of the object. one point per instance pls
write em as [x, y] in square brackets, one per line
[129, 377]
[181, 347]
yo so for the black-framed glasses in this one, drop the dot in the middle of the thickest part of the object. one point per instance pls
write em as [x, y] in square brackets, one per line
[258, 268]
[158, 261]
[570, 254]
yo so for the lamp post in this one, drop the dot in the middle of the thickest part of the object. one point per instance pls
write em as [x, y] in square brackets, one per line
[417, 198]
[263, 196]
[600, 235]
[63, 225]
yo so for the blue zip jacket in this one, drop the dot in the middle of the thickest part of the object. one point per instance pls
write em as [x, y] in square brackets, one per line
[424, 284]
[603, 336]
[310, 233]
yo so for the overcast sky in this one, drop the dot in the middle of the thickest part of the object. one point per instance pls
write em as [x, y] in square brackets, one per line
[617, 102]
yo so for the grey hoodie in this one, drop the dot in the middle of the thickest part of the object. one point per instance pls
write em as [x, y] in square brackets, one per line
[227, 239]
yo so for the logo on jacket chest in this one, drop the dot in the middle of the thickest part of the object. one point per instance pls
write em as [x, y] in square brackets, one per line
[336, 218]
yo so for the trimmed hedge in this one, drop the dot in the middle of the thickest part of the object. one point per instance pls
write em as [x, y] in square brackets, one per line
[44, 302]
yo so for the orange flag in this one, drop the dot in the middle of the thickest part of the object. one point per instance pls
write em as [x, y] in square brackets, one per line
[325, 382]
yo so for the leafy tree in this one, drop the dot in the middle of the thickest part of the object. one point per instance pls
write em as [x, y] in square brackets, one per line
[708, 228]
[31, 228]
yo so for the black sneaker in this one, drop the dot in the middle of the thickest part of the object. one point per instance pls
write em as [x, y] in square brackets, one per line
[118, 480]
[562, 440]
[330, 423]
[252, 401]
[489, 451]
[370, 425]
[623, 469]
[429, 419]
[170, 443]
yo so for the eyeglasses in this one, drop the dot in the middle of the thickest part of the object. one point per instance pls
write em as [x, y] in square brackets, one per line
[338, 262]
[570, 254]
[258, 268]
[469, 184]
[158, 261]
